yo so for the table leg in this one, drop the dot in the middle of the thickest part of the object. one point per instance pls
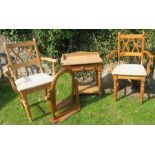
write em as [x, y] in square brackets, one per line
[96, 77]
[100, 82]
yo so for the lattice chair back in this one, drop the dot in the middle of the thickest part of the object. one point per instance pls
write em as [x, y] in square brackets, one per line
[131, 47]
[23, 58]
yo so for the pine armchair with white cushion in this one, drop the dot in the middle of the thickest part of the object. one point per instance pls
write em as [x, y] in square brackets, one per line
[25, 71]
[129, 46]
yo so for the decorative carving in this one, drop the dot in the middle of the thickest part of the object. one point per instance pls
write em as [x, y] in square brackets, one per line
[24, 54]
[131, 44]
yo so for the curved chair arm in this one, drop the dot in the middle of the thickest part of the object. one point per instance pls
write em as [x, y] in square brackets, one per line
[53, 61]
[151, 57]
[149, 54]
[109, 57]
[11, 80]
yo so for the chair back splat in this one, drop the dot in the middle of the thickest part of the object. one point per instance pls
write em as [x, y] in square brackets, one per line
[24, 58]
[131, 45]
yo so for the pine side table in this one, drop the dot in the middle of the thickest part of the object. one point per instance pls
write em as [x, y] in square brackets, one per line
[85, 61]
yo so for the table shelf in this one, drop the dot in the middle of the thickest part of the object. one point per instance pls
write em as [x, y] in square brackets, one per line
[88, 89]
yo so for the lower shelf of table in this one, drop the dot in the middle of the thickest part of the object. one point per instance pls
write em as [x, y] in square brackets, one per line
[88, 89]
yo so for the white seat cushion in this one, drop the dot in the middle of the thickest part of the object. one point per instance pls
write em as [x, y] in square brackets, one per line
[129, 69]
[33, 81]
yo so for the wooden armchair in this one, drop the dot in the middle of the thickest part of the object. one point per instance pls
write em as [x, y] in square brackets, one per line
[25, 71]
[130, 46]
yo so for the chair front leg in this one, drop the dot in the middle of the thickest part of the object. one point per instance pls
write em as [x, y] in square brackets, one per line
[115, 78]
[142, 90]
[26, 105]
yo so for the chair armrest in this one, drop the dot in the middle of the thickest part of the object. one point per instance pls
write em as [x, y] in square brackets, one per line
[11, 80]
[149, 54]
[53, 61]
[151, 57]
[49, 59]
[110, 55]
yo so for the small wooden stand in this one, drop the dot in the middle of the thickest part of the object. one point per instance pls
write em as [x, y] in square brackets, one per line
[66, 107]
[80, 61]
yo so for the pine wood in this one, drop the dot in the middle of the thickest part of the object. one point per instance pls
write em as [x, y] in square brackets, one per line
[82, 60]
[88, 89]
[124, 50]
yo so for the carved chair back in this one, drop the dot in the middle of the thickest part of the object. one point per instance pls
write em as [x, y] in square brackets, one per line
[23, 58]
[131, 45]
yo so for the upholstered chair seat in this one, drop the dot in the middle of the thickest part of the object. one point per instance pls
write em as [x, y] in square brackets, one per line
[129, 69]
[33, 81]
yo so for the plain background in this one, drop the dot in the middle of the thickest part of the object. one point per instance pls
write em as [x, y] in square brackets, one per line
[76, 140]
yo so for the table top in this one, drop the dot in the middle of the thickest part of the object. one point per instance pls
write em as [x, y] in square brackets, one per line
[80, 58]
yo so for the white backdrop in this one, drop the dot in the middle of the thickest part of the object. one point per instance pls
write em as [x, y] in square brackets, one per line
[77, 140]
